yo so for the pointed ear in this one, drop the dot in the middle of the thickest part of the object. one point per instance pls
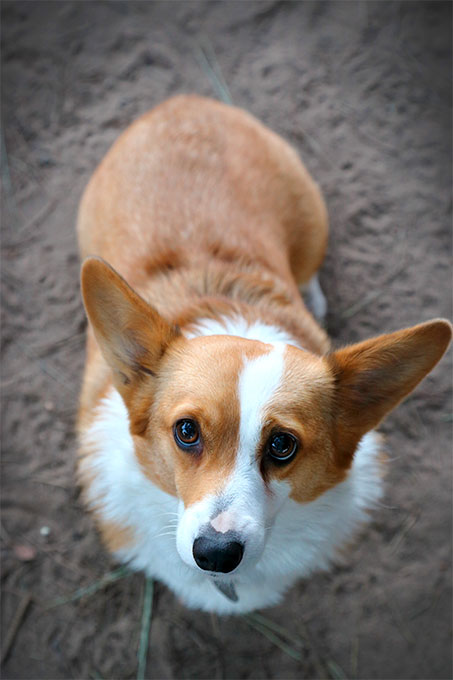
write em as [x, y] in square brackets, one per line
[131, 334]
[372, 377]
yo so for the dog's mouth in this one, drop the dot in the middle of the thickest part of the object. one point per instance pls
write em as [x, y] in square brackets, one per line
[227, 588]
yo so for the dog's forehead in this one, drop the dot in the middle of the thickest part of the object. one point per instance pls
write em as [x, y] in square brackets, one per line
[226, 379]
[211, 377]
[225, 372]
[204, 362]
[306, 379]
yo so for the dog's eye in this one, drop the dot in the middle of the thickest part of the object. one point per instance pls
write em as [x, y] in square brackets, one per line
[187, 434]
[282, 447]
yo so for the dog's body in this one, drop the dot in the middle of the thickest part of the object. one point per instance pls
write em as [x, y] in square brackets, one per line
[224, 449]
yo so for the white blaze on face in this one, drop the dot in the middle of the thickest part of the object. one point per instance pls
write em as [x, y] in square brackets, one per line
[258, 382]
[244, 506]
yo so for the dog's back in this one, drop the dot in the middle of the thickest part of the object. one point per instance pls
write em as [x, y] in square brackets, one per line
[194, 179]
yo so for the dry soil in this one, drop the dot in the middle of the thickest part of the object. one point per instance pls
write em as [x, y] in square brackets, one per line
[363, 90]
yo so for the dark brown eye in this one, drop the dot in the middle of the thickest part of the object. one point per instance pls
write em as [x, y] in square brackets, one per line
[187, 434]
[282, 447]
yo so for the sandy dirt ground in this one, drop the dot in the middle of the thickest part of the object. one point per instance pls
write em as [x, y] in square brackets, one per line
[363, 91]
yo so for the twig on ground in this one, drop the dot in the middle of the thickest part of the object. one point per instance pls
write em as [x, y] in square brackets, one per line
[30, 354]
[4, 535]
[430, 605]
[374, 294]
[400, 623]
[85, 591]
[272, 637]
[47, 482]
[275, 627]
[319, 666]
[205, 55]
[6, 174]
[145, 628]
[215, 625]
[95, 675]
[214, 63]
[21, 243]
[354, 656]
[314, 145]
[15, 625]
[335, 671]
[37, 219]
[30, 477]
[193, 634]
[407, 524]
[74, 339]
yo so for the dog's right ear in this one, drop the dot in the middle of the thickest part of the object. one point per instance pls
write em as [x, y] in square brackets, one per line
[131, 334]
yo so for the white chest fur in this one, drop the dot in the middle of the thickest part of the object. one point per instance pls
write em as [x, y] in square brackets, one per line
[302, 539]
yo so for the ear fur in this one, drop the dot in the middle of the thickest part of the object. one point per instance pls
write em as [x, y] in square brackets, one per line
[131, 334]
[372, 377]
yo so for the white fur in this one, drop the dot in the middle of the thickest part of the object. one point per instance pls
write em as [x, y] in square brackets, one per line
[302, 538]
[245, 506]
[258, 382]
[241, 328]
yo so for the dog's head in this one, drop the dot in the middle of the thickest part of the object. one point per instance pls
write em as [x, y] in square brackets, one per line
[233, 427]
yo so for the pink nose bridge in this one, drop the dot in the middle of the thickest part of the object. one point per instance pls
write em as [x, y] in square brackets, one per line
[223, 522]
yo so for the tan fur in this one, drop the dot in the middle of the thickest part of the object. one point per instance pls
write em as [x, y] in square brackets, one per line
[303, 407]
[373, 376]
[177, 396]
[115, 536]
[207, 213]
[195, 180]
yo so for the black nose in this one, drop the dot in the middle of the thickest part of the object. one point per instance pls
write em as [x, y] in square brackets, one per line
[217, 552]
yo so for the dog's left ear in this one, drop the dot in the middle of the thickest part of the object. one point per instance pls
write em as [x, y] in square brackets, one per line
[372, 377]
[131, 334]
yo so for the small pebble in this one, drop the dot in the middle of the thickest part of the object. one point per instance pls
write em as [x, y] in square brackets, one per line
[24, 552]
[44, 531]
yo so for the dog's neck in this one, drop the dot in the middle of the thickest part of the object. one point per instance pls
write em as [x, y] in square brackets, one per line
[218, 297]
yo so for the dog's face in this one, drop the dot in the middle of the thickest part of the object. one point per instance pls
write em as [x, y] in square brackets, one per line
[233, 427]
[236, 426]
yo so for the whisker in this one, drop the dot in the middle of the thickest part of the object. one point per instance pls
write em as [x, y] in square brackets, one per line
[168, 533]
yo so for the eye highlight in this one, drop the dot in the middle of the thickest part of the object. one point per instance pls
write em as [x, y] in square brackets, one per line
[282, 447]
[187, 434]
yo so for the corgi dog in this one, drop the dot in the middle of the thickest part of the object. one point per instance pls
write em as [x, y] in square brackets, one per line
[226, 448]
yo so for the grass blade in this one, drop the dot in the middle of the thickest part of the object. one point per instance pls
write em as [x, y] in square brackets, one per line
[145, 628]
[102, 583]
[272, 637]
[275, 627]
